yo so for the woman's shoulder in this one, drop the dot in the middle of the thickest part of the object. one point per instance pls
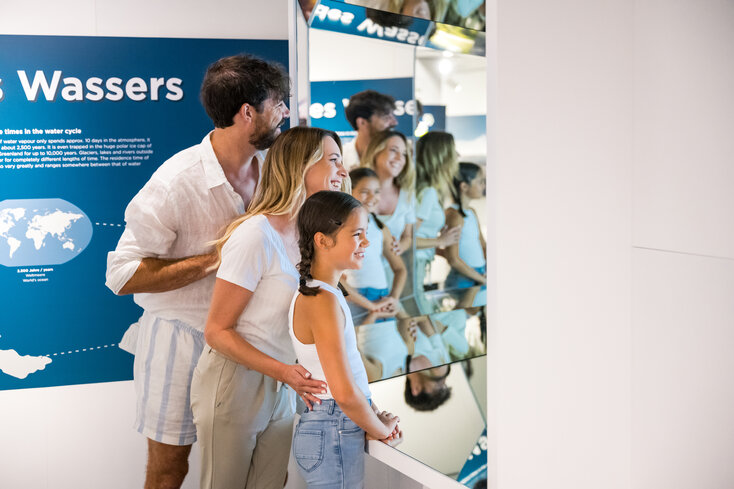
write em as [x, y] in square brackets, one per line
[253, 230]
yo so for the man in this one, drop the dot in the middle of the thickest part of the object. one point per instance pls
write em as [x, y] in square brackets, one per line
[164, 258]
[368, 112]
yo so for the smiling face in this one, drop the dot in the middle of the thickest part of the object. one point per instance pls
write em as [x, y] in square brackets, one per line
[268, 122]
[367, 191]
[476, 188]
[349, 243]
[328, 173]
[391, 160]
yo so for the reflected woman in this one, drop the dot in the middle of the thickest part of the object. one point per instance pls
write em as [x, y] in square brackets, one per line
[242, 394]
[436, 165]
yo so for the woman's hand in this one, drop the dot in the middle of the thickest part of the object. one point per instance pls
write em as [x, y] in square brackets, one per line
[388, 304]
[299, 379]
[449, 236]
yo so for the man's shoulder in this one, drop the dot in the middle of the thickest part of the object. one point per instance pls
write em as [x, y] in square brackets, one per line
[180, 165]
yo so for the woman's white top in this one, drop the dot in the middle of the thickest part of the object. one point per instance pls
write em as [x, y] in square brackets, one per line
[403, 214]
[431, 214]
[255, 258]
[470, 246]
[382, 342]
[309, 357]
[372, 273]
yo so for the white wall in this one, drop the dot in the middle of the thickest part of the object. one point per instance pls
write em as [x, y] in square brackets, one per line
[79, 437]
[614, 170]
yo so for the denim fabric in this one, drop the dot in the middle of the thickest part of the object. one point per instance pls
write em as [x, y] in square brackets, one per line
[329, 448]
[455, 280]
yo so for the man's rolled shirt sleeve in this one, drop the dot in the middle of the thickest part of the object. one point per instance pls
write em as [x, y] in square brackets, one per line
[150, 231]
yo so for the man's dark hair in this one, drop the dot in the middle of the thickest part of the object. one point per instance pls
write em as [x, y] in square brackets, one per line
[366, 103]
[241, 79]
[425, 401]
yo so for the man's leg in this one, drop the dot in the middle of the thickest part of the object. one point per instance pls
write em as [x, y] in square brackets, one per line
[167, 465]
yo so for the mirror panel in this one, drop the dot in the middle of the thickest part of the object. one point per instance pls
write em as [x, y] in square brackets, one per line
[448, 434]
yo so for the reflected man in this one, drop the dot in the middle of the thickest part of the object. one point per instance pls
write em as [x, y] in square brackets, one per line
[368, 112]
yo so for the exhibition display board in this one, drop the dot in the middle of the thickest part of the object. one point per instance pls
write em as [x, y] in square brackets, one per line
[84, 122]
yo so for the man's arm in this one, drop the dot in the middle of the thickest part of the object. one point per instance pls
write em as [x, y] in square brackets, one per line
[158, 275]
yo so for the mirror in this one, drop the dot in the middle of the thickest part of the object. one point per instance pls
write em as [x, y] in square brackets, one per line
[432, 337]
[462, 13]
[443, 416]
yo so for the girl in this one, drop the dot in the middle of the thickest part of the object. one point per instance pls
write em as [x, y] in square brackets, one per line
[387, 154]
[370, 292]
[242, 411]
[468, 265]
[328, 444]
[436, 165]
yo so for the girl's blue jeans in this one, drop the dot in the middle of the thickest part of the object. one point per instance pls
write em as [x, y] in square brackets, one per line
[455, 280]
[329, 448]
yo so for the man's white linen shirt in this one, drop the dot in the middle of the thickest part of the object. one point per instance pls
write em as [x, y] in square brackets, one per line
[185, 205]
[350, 157]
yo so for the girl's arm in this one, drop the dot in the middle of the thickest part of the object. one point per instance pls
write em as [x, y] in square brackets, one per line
[357, 298]
[453, 218]
[228, 302]
[400, 273]
[322, 315]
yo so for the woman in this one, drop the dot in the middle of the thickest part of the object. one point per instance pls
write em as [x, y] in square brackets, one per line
[436, 165]
[242, 391]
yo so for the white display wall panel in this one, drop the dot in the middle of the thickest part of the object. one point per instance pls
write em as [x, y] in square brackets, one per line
[563, 181]
[684, 126]
[683, 359]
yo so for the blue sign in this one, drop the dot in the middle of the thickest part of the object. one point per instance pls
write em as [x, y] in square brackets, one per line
[84, 122]
[475, 467]
[329, 98]
[341, 17]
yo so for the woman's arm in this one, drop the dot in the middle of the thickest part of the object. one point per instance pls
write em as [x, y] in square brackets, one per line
[406, 239]
[446, 237]
[400, 273]
[322, 315]
[454, 219]
[228, 302]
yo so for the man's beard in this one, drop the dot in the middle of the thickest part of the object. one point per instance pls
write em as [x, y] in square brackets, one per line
[262, 138]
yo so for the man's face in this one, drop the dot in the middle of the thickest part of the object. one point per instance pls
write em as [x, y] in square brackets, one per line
[381, 121]
[268, 122]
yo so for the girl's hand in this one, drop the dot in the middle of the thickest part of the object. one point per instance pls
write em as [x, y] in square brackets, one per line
[449, 236]
[395, 438]
[299, 379]
[388, 304]
[390, 421]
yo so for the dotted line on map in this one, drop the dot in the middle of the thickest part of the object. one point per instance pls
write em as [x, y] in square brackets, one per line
[109, 224]
[80, 350]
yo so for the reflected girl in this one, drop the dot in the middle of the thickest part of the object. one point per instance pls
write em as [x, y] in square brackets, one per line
[468, 265]
[369, 292]
[436, 165]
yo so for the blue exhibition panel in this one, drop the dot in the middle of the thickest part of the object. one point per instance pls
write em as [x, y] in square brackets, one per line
[84, 122]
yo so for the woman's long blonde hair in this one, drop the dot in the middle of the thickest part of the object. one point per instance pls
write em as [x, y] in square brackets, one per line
[436, 162]
[282, 189]
[378, 143]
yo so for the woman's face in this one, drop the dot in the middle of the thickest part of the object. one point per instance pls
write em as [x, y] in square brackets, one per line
[391, 160]
[367, 191]
[328, 173]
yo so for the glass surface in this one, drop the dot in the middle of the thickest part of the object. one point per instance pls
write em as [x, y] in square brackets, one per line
[443, 421]
[463, 13]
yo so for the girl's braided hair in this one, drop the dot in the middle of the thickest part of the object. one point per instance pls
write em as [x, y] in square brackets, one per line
[324, 212]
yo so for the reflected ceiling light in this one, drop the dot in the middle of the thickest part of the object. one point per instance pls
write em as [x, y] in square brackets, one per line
[448, 54]
[445, 66]
[458, 88]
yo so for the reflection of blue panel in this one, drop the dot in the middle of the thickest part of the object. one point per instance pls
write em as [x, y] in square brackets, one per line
[328, 99]
[475, 467]
[352, 19]
[64, 311]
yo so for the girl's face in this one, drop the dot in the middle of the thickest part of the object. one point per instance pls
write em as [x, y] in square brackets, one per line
[476, 188]
[327, 173]
[391, 160]
[367, 191]
[350, 241]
